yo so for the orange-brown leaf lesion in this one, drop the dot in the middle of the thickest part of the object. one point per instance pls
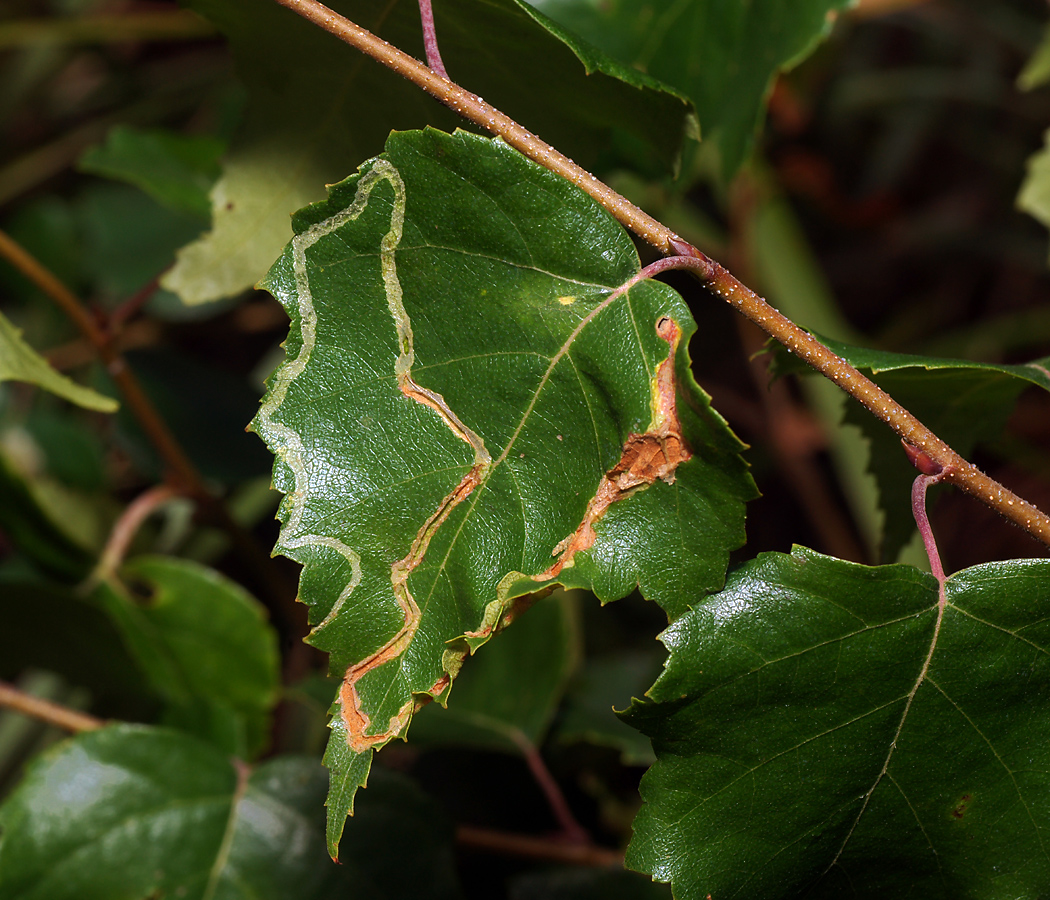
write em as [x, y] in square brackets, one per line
[656, 454]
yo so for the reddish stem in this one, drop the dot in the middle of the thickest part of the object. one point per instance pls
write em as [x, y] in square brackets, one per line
[127, 526]
[430, 41]
[572, 831]
[918, 508]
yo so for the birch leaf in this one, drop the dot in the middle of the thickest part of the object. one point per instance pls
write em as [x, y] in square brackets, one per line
[473, 410]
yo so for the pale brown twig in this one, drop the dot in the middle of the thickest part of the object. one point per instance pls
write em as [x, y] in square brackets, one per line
[182, 470]
[716, 277]
[46, 710]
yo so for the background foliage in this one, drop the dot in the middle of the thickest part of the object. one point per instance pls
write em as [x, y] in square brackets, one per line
[876, 192]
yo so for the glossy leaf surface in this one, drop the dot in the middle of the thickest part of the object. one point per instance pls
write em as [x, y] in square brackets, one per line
[317, 108]
[462, 374]
[135, 812]
[722, 55]
[827, 726]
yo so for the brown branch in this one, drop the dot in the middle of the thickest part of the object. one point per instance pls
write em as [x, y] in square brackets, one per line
[46, 710]
[530, 847]
[716, 277]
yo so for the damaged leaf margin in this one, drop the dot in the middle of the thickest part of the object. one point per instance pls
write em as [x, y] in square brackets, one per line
[363, 281]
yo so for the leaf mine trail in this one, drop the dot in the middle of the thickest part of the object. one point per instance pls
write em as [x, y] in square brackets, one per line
[289, 448]
[646, 457]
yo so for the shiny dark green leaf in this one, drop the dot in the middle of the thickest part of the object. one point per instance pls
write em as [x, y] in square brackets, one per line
[135, 812]
[454, 262]
[827, 729]
[722, 55]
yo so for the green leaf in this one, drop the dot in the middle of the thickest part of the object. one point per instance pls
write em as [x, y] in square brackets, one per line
[724, 56]
[205, 646]
[176, 170]
[961, 401]
[33, 531]
[421, 510]
[1034, 195]
[831, 729]
[317, 107]
[20, 362]
[507, 694]
[134, 812]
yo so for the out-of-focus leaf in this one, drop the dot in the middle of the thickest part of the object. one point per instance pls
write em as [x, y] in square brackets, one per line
[962, 402]
[317, 108]
[789, 274]
[828, 729]
[507, 693]
[605, 685]
[32, 531]
[127, 238]
[141, 812]
[1036, 72]
[204, 644]
[722, 55]
[73, 451]
[20, 362]
[1034, 195]
[176, 170]
[421, 512]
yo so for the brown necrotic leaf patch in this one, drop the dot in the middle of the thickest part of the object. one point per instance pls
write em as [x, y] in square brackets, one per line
[656, 454]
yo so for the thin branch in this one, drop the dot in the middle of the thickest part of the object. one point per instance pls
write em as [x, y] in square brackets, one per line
[149, 25]
[530, 847]
[957, 470]
[127, 526]
[46, 710]
[572, 830]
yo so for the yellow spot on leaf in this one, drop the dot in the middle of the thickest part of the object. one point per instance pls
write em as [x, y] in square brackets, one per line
[566, 301]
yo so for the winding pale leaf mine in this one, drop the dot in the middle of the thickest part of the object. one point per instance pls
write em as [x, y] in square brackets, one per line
[478, 400]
